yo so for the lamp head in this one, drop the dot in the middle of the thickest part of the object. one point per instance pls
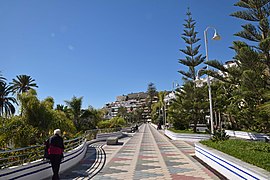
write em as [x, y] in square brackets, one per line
[216, 36]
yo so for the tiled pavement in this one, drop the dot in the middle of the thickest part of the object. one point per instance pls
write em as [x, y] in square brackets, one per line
[150, 155]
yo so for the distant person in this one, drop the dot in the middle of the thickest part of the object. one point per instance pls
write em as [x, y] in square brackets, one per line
[55, 146]
[159, 126]
[167, 125]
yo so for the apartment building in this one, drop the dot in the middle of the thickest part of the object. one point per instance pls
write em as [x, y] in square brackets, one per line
[131, 102]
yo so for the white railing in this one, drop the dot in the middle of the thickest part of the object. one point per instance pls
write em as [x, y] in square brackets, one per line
[28, 163]
[41, 168]
[24, 155]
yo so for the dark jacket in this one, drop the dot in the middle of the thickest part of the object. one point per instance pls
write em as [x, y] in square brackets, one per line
[56, 145]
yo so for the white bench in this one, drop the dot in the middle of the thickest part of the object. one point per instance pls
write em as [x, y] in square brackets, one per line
[112, 140]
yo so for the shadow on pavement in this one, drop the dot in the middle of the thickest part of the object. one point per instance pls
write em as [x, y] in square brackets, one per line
[80, 169]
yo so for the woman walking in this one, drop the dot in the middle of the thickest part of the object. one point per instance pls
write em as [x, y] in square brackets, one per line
[55, 151]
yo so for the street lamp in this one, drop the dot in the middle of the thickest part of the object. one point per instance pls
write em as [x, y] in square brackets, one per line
[215, 37]
[175, 85]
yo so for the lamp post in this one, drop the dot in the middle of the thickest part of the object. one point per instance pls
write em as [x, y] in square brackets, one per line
[175, 85]
[215, 37]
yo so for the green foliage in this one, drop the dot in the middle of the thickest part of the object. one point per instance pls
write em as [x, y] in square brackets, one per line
[220, 135]
[189, 106]
[158, 108]
[192, 59]
[256, 153]
[122, 112]
[75, 106]
[89, 118]
[104, 124]
[36, 121]
[22, 83]
[151, 93]
[135, 116]
[115, 122]
[16, 132]
[60, 121]
[2, 78]
[35, 113]
[37, 118]
[246, 83]
[6, 100]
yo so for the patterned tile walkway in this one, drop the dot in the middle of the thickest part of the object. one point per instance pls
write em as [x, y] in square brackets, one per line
[150, 155]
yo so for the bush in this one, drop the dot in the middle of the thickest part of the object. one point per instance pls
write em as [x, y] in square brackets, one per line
[115, 122]
[220, 135]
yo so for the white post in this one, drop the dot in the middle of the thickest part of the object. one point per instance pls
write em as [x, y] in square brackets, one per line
[165, 116]
[208, 82]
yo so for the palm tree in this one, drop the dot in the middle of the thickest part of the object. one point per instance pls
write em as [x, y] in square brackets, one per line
[22, 84]
[6, 102]
[2, 79]
[75, 106]
[159, 106]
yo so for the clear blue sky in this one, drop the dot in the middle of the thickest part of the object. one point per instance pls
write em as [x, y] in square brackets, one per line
[100, 49]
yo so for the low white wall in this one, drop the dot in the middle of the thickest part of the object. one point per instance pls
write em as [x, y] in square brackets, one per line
[247, 135]
[104, 136]
[230, 167]
[186, 137]
[41, 169]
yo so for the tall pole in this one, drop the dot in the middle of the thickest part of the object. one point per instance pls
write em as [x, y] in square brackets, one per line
[209, 83]
[164, 114]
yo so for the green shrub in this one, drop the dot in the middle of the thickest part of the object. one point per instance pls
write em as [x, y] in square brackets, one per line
[115, 122]
[220, 135]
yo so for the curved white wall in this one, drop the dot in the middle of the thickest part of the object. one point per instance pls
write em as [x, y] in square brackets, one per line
[41, 169]
[104, 136]
[229, 166]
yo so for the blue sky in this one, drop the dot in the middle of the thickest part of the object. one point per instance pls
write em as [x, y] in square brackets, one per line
[100, 49]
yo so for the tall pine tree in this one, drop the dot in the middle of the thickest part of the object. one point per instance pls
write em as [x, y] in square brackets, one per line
[193, 59]
[254, 62]
[251, 76]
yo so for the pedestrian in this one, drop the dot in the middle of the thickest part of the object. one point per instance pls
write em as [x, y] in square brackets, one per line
[55, 151]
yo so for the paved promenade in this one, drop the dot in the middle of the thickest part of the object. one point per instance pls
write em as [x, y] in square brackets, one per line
[146, 155]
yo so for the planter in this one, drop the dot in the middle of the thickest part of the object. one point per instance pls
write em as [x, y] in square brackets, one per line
[228, 166]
